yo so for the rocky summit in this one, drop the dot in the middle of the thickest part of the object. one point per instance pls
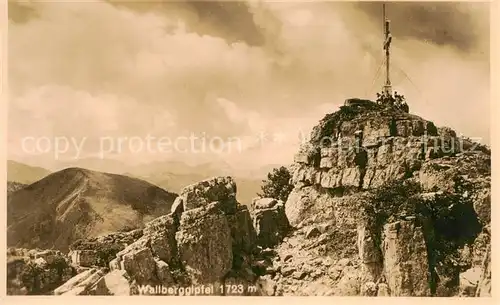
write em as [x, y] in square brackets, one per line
[384, 203]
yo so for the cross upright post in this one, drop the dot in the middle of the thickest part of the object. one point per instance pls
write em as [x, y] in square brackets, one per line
[387, 43]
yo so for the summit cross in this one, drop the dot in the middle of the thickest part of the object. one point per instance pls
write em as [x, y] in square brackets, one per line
[387, 44]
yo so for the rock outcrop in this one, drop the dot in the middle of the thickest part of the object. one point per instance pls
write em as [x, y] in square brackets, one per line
[32, 272]
[406, 265]
[270, 221]
[205, 244]
[81, 284]
[422, 238]
[484, 284]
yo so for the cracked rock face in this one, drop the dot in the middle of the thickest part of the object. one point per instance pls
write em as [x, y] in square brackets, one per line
[205, 245]
[355, 151]
[270, 221]
[161, 232]
[242, 230]
[405, 259]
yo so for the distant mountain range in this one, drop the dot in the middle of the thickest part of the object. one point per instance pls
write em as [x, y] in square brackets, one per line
[247, 188]
[76, 203]
[155, 168]
[174, 175]
[25, 174]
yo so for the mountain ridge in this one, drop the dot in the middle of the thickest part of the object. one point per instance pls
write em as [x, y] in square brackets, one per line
[89, 202]
[23, 173]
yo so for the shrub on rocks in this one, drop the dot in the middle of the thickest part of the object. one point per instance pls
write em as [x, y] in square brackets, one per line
[277, 184]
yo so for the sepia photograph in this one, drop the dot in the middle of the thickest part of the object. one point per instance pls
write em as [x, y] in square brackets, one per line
[248, 148]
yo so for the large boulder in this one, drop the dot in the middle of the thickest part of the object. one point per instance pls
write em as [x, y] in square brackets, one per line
[270, 222]
[117, 283]
[349, 283]
[469, 281]
[205, 244]
[484, 285]
[164, 272]
[161, 232]
[141, 265]
[242, 230]
[48, 255]
[405, 259]
[84, 258]
[221, 189]
[80, 284]
[138, 261]
[297, 204]
[311, 202]
[370, 256]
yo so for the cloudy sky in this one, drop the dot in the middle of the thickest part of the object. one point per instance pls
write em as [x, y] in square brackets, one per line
[235, 71]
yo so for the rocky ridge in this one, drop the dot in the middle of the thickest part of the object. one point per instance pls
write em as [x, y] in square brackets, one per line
[384, 204]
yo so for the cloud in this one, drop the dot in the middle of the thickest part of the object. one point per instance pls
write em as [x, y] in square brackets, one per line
[20, 12]
[104, 49]
[461, 25]
[231, 20]
[229, 69]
